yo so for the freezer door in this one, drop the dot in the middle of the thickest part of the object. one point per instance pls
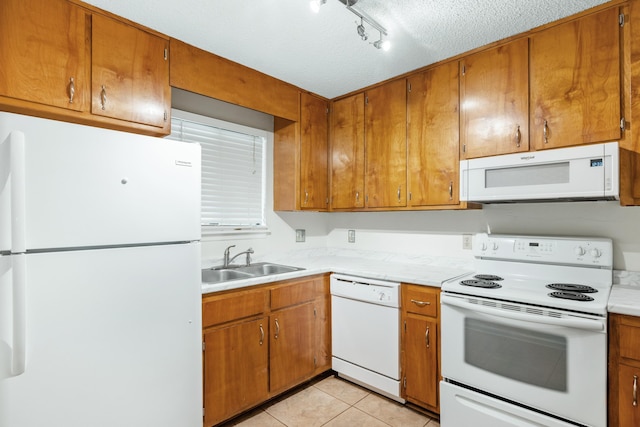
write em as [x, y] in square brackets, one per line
[113, 338]
[80, 186]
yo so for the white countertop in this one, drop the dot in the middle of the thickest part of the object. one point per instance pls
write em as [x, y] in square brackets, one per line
[429, 271]
[420, 270]
[625, 293]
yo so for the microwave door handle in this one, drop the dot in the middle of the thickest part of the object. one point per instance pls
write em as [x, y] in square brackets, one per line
[586, 324]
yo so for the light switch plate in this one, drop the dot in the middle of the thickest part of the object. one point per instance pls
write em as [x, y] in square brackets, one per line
[300, 235]
[352, 236]
[467, 241]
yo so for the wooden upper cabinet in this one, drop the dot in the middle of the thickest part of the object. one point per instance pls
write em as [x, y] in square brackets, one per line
[314, 147]
[129, 73]
[432, 136]
[494, 101]
[42, 51]
[347, 153]
[575, 82]
[386, 145]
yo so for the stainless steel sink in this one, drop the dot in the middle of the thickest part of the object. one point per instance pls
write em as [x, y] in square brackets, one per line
[233, 272]
[215, 276]
[265, 269]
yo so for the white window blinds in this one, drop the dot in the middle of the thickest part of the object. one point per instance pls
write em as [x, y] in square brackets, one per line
[233, 170]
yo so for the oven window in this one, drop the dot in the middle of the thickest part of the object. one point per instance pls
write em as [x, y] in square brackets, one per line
[531, 357]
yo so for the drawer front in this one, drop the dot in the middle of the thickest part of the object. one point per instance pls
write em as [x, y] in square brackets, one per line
[629, 339]
[233, 306]
[420, 300]
[295, 292]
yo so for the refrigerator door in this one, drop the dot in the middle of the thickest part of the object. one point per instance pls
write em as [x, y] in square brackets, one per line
[80, 186]
[113, 338]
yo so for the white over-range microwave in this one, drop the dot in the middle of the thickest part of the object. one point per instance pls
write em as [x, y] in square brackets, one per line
[586, 172]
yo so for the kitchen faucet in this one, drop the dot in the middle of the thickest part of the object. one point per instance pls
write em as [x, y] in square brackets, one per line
[228, 260]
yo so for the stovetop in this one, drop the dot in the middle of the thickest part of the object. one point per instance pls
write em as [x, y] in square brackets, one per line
[520, 268]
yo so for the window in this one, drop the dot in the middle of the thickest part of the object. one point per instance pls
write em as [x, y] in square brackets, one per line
[233, 171]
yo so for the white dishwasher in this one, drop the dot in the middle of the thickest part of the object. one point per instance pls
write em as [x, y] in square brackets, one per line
[365, 331]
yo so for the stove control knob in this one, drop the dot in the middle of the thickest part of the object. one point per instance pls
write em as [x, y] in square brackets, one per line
[494, 246]
[483, 246]
[595, 252]
[579, 250]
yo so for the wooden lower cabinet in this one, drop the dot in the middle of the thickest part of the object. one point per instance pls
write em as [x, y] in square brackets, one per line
[421, 346]
[292, 346]
[236, 363]
[262, 341]
[624, 371]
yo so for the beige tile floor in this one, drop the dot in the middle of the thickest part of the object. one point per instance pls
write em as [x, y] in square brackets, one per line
[333, 402]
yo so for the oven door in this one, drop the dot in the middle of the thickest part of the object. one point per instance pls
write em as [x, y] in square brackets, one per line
[549, 360]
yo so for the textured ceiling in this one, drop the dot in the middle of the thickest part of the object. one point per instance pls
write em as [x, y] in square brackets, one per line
[322, 52]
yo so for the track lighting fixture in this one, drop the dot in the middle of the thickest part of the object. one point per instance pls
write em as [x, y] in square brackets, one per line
[362, 31]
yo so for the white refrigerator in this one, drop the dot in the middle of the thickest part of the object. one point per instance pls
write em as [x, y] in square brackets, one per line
[100, 319]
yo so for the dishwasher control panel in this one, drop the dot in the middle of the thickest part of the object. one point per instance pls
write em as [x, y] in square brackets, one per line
[368, 290]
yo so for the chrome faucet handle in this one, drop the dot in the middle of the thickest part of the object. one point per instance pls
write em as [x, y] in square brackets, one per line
[226, 255]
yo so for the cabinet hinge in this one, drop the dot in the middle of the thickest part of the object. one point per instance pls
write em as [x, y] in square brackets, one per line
[409, 86]
[327, 110]
[623, 124]
[404, 382]
[366, 100]
[166, 53]
[621, 19]
[315, 314]
[405, 326]
[166, 116]
[315, 363]
[203, 412]
[202, 345]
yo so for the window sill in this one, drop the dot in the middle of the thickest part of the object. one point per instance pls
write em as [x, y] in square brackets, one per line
[224, 233]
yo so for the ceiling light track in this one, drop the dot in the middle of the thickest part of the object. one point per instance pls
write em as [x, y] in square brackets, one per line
[379, 44]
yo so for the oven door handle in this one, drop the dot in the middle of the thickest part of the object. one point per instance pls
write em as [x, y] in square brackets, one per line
[586, 324]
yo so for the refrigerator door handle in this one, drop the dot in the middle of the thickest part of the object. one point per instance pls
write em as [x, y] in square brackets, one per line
[19, 357]
[18, 192]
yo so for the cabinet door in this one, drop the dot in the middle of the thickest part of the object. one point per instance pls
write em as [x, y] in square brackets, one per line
[292, 346]
[421, 360]
[235, 369]
[314, 151]
[628, 389]
[129, 73]
[575, 82]
[432, 136]
[386, 145]
[42, 52]
[347, 152]
[494, 101]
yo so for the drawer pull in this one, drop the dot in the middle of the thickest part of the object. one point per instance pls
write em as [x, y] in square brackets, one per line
[420, 303]
[261, 334]
[426, 338]
[72, 90]
[635, 390]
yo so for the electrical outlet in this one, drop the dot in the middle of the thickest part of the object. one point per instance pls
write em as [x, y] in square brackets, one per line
[467, 241]
[300, 235]
[352, 236]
